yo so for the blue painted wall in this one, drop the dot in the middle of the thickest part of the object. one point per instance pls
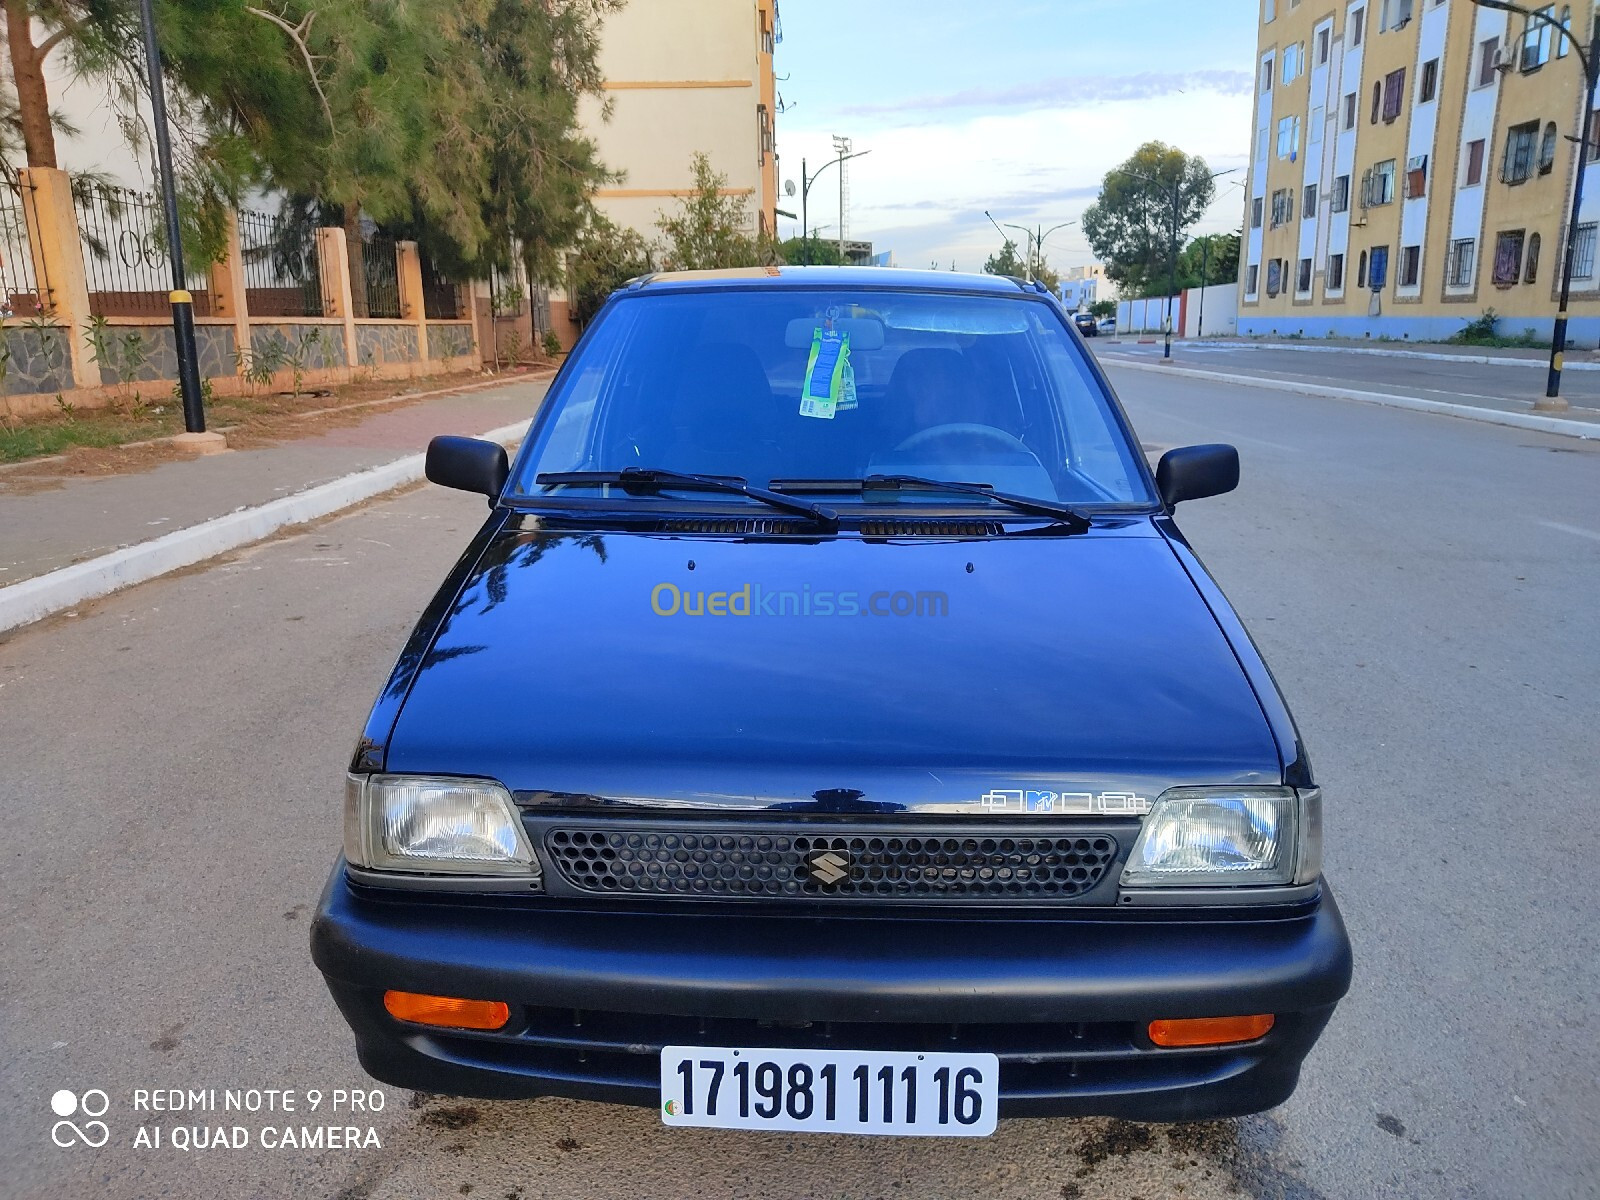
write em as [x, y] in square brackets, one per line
[1582, 332]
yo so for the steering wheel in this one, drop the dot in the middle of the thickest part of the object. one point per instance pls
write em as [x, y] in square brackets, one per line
[988, 433]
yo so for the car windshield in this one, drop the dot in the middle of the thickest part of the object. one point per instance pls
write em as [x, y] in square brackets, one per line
[798, 386]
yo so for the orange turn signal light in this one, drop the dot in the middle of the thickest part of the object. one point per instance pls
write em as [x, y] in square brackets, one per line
[448, 1011]
[1210, 1031]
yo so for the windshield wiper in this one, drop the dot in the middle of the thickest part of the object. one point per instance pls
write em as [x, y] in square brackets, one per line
[1071, 518]
[656, 477]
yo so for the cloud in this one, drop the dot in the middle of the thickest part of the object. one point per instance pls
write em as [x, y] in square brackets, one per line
[1071, 91]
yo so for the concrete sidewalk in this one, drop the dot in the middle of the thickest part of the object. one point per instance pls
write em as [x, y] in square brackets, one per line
[1459, 388]
[54, 523]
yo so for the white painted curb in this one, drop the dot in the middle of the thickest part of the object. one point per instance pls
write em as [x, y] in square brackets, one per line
[28, 601]
[1489, 416]
[1476, 360]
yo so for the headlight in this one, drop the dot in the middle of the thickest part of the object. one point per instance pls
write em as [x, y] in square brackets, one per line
[1228, 837]
[417, 823]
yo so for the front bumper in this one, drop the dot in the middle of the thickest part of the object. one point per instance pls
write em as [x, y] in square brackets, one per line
[1062, 998]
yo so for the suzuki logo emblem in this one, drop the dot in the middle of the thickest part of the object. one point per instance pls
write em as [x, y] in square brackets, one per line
[828, 867]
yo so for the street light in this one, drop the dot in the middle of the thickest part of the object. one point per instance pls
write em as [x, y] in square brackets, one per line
[194, 416]
[1172, 269]
[805, 191]
[1035, 240]
[1553, 401]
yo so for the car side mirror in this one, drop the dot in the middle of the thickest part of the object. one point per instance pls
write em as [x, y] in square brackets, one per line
[1195, 472]
[468, 465]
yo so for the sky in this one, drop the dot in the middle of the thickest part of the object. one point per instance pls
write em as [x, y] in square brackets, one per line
[1015, 106]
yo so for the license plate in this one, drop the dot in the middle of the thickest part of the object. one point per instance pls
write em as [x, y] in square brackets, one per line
[830, 1091]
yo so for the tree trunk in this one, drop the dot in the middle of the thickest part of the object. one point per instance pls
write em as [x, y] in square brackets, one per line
[354, 250]
[33, 98]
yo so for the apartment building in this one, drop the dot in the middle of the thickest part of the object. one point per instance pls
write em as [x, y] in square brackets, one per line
[691, 76]
[1412, 166]
[1083, 286]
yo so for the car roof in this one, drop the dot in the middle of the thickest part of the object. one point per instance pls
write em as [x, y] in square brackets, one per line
[779, 277]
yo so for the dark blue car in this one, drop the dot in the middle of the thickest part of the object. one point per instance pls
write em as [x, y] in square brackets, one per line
[830, 729]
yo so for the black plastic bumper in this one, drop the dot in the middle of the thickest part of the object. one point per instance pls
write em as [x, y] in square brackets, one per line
[1063, 1001]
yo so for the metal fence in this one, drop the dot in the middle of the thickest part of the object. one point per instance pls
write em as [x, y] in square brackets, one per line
[441, 298]
[21, 293]
[125, 258]
[282, 274]
[381, 275]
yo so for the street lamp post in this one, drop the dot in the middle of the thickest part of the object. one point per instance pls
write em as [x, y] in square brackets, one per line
[805, 191]
[1034, 244]
[194, 416]
[1590, 60]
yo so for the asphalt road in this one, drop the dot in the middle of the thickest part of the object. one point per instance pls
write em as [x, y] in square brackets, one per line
[1511, 385]
[170, 774]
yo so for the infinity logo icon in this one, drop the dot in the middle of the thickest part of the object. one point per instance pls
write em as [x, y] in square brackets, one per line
[92, 1103]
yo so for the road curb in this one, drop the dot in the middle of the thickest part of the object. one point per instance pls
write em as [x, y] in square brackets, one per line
[1476, 360]
[1489, 416]
[33, 599]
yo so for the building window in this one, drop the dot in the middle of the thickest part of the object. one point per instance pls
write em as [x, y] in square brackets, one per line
[1266, 75]
[1410, 266]
[1430, 81]
[1583, 252]
[1378, 268]
[1324, 43]
[1350, 111]
[1335, 277]
[1488, 57]
[1302, 281]
[1358, 21]
[1255, 212]
[1319, 118]
[1288, 137]
[1394, 87]
[1282, 207]
[1566, 37]
[1536, 40]
[1377, 102]
[1521, 145]
[1294, 62]
[1532, 274]
[1341, 194]
[1594, 138]
[1252, 280]
[1462, 253]
[1416, 176]
[763, 134]
[1274, 276]
[1361, 270]
[1269, 12]
[1508, 257]
[1308, 203]
[1475, 152]
[1261, 143]
[1547, 149]
[1380, 184]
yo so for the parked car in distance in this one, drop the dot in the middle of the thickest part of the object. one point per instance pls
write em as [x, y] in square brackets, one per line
[1108, 326]
[1086, 324]
[829, 729]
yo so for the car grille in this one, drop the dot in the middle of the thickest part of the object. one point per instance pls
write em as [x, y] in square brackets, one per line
[684, 860]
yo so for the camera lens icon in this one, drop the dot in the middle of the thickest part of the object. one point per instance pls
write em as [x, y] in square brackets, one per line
[93, 1103]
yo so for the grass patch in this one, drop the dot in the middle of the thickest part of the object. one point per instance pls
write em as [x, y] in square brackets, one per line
[40, 437]
[1485, 332]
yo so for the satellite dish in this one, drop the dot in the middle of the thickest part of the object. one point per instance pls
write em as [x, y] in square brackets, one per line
[788, 187]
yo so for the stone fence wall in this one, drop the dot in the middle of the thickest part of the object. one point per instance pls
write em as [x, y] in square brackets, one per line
[54, 348]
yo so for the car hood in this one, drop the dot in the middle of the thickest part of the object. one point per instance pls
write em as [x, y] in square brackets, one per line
[1083, 664]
